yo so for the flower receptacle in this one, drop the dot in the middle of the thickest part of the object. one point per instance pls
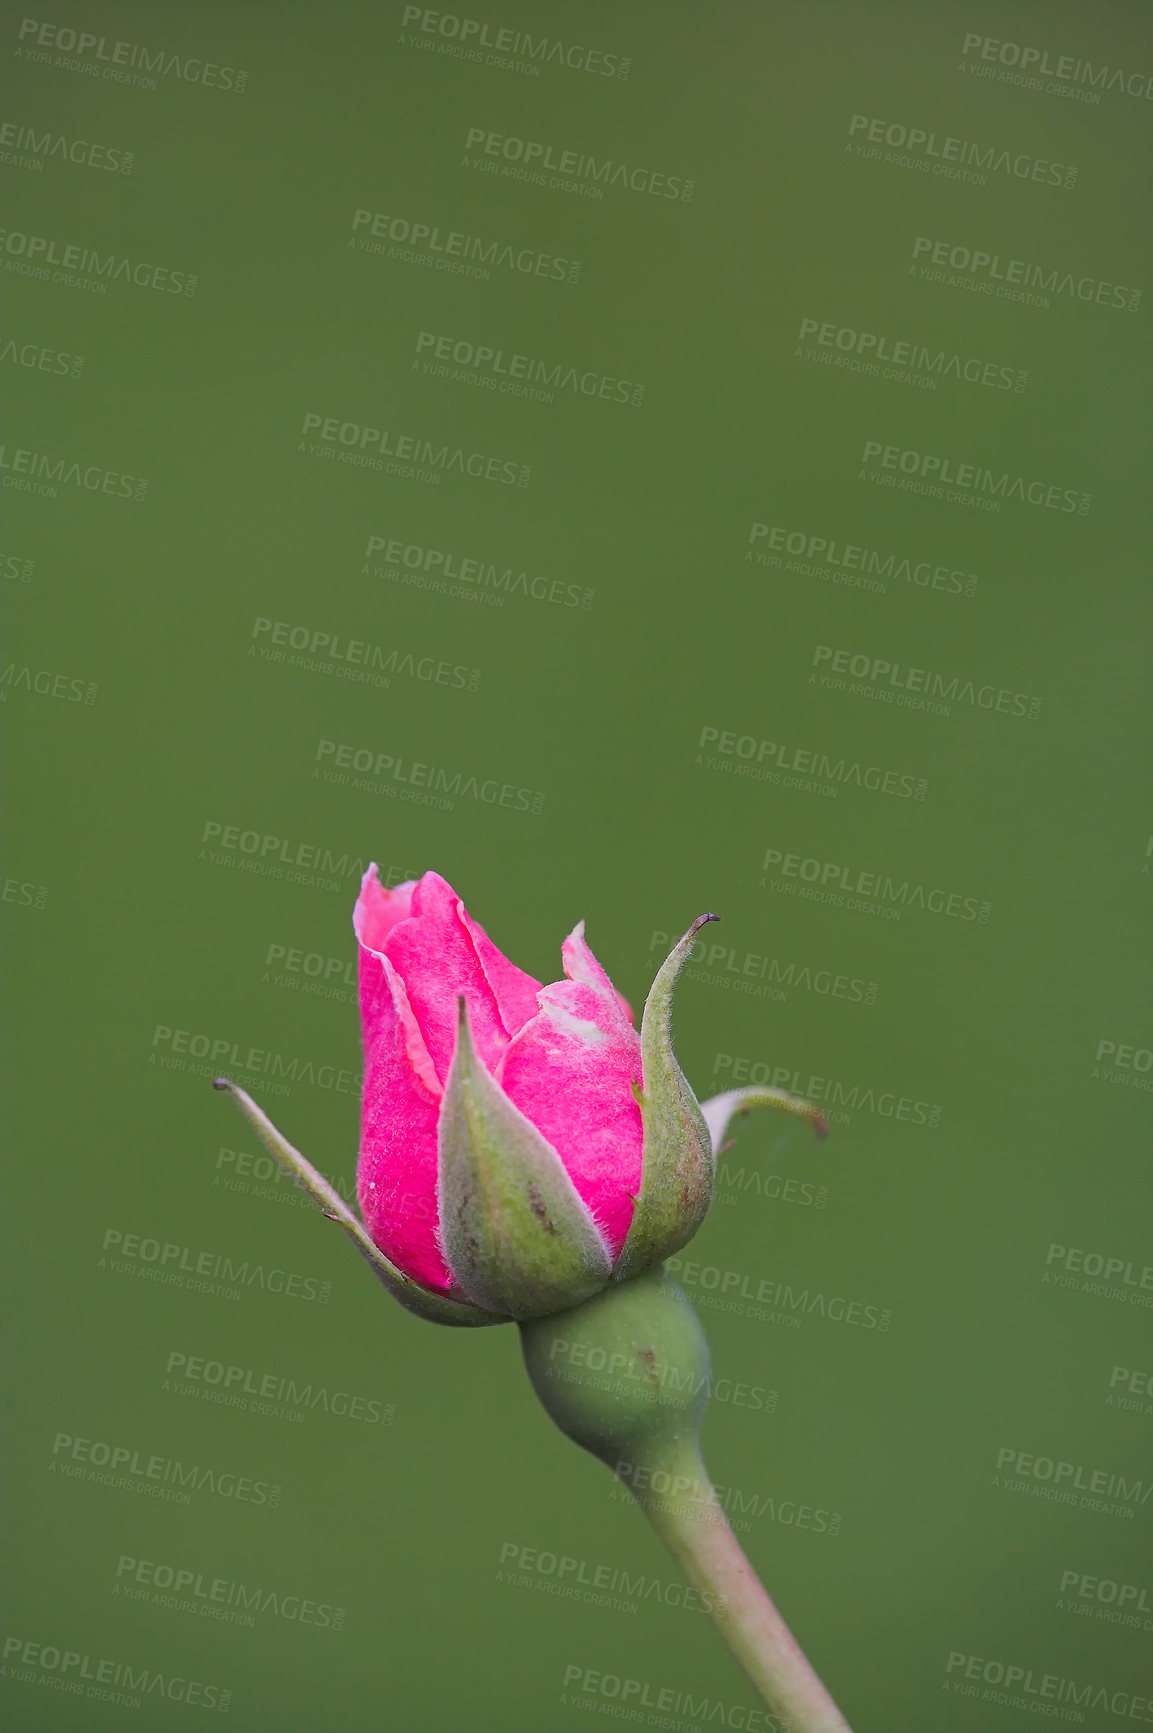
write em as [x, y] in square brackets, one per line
[626, 1374]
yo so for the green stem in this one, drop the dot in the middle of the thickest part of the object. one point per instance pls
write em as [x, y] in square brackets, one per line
[626, 1376]
[697, 1533]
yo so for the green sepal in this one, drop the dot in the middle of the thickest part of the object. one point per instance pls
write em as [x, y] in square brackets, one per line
[677, 1165]
[718, 1110]
[514, 1230]
[433, 1308]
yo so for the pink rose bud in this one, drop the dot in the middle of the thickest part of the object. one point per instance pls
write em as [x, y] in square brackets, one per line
[521, 1145]
[526, 1154]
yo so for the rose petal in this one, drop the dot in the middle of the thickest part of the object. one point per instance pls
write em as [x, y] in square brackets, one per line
[570, 1070]
[581, 965]
[434, 954]
[378, 910]
[514, 991]
[397, 1171]
[419, 949]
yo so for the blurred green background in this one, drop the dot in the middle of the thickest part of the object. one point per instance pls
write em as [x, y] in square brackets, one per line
[180, 875]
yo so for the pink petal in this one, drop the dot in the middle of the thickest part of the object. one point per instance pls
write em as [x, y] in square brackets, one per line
[581, 965]
[397, 1171]
[378, 910]
[514, 991]
[570, 1070]
[434, 955]
[424, 1078]
[418, 950]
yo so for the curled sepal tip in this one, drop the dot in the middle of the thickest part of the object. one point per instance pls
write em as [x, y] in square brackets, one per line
[434, 1308]
[720, 1109]
[677, 1164]
[513, 1227]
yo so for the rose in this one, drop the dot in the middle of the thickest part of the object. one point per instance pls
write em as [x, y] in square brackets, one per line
[522, 1148]
[505, 1126]
[508, 1129]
